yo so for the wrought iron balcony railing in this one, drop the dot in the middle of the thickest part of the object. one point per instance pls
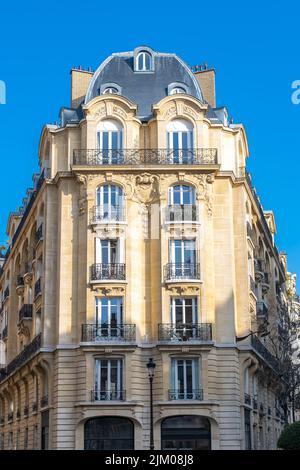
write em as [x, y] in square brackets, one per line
[197, 156]
[261, 349]
[195, 394]
[178, 271]
[25, 312]
[44, 401]
[22, 358]
[185, 332]
[39, 233]
[181, 213]
[37, 287]
[108, 332]
[261, 310]
[108, 395]
[247, 399]
[107, 213]
[108, 271]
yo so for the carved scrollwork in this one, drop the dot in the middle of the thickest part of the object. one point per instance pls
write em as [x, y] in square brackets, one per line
[184, 290]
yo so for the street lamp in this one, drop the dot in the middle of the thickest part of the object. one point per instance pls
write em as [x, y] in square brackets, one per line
[151, 367]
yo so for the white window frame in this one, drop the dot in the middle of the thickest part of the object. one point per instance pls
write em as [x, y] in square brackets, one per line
[192, 194]
[98, 310]
[97, 376]
[177, 90]
[194, 309]
[183, 251]
[144, 54]
[195, 373]
[108, 207]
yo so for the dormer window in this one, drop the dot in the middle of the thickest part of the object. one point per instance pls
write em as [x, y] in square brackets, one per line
[144, 62]
[177, 90]
[110, 90]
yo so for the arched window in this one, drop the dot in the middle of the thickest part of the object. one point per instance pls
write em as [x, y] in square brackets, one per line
[180, 141]
[109, 433]
[185, 433]
[109, 203]
[110, 90]
[144, 62]
[177, 90]
[110, 142]
[182, 203]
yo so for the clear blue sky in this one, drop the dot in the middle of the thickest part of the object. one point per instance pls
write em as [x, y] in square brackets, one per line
[254, 49]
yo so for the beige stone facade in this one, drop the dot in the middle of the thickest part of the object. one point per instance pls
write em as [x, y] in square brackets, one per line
[56, 290]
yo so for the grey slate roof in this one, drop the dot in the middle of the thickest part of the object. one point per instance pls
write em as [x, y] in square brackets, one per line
[143, 89]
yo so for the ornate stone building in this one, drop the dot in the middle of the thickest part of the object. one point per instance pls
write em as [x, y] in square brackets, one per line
[142, 237]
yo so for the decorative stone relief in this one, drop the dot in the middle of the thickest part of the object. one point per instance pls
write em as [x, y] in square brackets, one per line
[183, 290]
[111, 290]
[205, 190]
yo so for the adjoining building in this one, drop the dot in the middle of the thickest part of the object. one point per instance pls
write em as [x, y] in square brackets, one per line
[142, 237]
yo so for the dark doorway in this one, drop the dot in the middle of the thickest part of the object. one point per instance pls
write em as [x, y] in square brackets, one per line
[109, 433]
[185, 433]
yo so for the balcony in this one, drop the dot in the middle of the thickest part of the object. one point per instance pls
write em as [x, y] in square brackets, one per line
[247, 399]
[28, 352]
[181, 213]
[108, 395]
[185, 332]
[38, 288]
[39, 234]
[261, 311]
[108, 332]
[108, 271]
[107, 214]
[44, 401]
[196, 394]
[261, 349]
[259, 269]
[95, 157]
[25, 313]
[182, 271]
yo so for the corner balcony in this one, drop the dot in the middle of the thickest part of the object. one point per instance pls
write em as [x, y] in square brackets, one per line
[265, 354]
[107, 272]
[108, 395]
[25, 313]
[107, 332]
[170, 332]
[105, 214]
[195, 394]
[193, 156]
[181, 213]
[180, 272]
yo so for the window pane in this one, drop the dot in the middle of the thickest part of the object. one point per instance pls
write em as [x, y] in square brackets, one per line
[147, 62]
[179, 310]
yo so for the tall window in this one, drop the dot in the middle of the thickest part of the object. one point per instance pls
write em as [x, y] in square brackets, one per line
[108, 379]
[109, 202]
[110, 142]
[184, 310]
[182, 203]
[107, 251]
[180, 141]
[109, 316]
[183, 258]
[185, 379]
[247, 429]
[144, 62]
